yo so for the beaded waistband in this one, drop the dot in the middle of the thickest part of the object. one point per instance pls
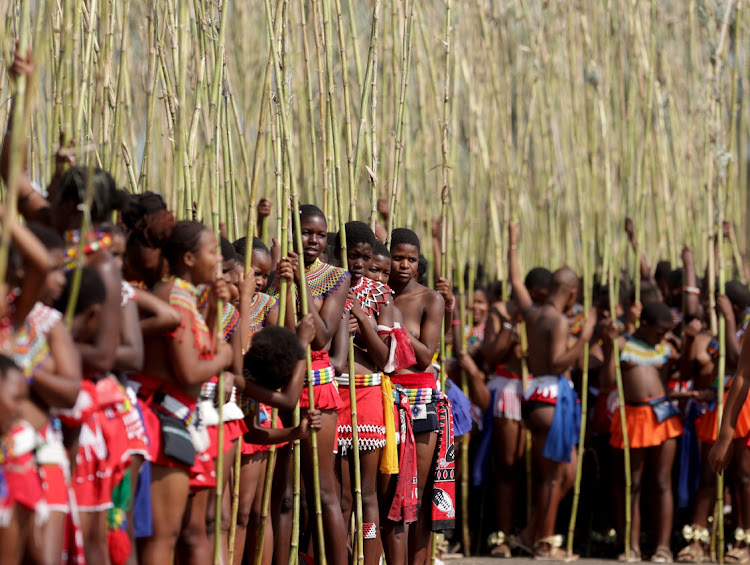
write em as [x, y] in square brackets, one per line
[360, 380]
[322, 376]
[418, 395]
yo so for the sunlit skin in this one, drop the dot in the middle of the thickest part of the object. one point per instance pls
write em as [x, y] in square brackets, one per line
[641, 381]
[370, 355]
[423, 311]
[326, 315]
[178, 361]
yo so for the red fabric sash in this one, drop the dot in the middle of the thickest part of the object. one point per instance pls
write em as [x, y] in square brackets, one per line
[415, 380]
[320, 360]
[404, 506]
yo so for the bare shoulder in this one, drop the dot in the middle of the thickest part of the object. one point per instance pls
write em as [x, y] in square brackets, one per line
[163, 289]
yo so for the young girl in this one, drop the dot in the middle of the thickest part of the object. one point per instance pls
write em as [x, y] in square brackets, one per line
[423, 311]
[371, 311]
[327, 289]
[257, 310]
[652, 422]
[177, 364]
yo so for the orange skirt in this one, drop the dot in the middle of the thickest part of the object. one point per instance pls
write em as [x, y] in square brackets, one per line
[707, 427]
[643, 428]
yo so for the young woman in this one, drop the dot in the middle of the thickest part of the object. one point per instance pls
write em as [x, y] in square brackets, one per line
[423, 311]
[371, 312]
[327, 290]
[177, 364]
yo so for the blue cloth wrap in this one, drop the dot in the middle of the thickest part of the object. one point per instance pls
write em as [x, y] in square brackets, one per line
[462, 421]
[482, 458]
[566, 424]
[143, 520]
[690, 459]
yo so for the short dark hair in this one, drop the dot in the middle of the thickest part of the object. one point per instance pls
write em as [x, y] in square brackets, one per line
[260, 246]
[272, 357]
[311, 211]
[92, 291]
[662, 271]
[538, 278]
[675, 279]
[356, 233]
[49, 237]
[738, 294]
[421, 267]
[240, 246]
[380, 250]
[106, 196]
[404, 236]
[227, 251]
[656, 312]
[649, 293]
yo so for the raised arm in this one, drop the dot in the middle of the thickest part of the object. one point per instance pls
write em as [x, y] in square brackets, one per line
[37, 262]
[563, 357]
[691, 290]
[498, 339]
[516, 280]
[724, 305]
[643, 264]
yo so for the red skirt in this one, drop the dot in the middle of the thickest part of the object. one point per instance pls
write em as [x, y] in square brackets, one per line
[253, 448]
[643, 428]
[148, 388]
[601, 421]
[326, 396]
[370, 419]
[54, 469]
[20, 469]
[93, 477]
[707, 426]
[232, 431]
[203, 472]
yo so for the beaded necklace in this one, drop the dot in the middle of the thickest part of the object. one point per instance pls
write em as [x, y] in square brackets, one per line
[262, 304]
[638, 352]
[370, 294]
[322, 279]
[230, 318]
[183, 297]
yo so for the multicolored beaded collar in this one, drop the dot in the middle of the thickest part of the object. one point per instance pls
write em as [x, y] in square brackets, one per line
[638, 352]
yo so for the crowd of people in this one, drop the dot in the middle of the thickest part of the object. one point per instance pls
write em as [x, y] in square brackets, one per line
[121, 326]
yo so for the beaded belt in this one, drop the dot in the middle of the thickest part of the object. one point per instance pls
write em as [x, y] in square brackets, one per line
[360, 380]
[322, 376]
[417, 395]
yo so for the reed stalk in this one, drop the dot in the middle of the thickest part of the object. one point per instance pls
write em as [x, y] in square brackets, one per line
[303, 286]
[405, 63]
[235, 500]
[17, 134]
